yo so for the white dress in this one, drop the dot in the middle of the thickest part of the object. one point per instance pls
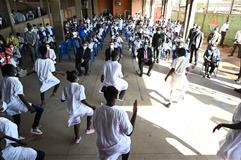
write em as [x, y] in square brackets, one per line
[14, 153]
[179, 78]
[44, 69]
[231, 147]
[112, 126]
[11, 87]
[113, 75]
[74, 93]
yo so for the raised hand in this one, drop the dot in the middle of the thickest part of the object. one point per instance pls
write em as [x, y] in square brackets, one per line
[217, 127]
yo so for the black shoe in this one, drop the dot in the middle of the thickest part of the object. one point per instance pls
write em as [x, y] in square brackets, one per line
[208, 76]
[237, 90]
[140, 75]
[149, 74]
[157, 61]
[80, 74]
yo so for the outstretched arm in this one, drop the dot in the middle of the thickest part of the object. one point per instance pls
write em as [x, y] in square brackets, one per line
[230, 126]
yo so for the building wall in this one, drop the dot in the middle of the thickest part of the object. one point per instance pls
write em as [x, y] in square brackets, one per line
[136, 6]
[103, 5]
[121, 6]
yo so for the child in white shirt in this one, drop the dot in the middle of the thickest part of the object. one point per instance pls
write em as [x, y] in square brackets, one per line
[78, 107]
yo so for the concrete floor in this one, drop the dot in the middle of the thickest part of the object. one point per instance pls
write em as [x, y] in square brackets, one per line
[183, 131]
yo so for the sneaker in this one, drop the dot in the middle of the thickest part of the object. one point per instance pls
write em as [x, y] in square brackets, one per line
[21, 138]
[36, 131]
[89, 131]
[77, 140]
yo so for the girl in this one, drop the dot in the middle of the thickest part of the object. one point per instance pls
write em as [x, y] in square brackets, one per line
[178, 70]
[74, 94]
[45, 69]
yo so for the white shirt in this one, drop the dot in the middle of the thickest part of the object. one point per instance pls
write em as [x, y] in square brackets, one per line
[112, 72]
[238, 37]
[44, 69]
[112, 126]
[224, 27]
[14, 153]
[11, 87]
[74, 93]
[52, 55]
[180, 64]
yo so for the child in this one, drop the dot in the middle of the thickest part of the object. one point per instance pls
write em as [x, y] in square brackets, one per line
[45, 69]
[12, 149]
[231, 146]
[74, 94]
[11, 91]
[178, 70]
[113, 127]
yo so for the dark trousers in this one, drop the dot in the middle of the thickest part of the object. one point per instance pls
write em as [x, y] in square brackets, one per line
[209, 65]
[156, 52]
[223, 34]
[148, 63]
[42, 95]
[194, 51]
[38, 114]
[234, 48]
[78, 66]
[32, 51]
[40, 155]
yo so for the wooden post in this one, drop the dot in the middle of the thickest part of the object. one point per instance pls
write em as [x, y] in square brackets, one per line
[231, 9]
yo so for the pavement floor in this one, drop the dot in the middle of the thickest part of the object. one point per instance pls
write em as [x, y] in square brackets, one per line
[181, 132]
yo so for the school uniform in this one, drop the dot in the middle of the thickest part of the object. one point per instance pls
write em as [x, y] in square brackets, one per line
[44, 69]
[112, 126]
[11, 87]
[231, 146]
[14, 153]
[74, 93]
[113, 75]
[52, 55]
[179, 77]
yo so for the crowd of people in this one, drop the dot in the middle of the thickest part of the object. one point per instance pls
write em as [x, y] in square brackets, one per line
[147, 42]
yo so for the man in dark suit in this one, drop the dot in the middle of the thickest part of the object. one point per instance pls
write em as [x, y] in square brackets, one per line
[157, 42]
[191, 34]
[196, 43]
[109, 51]
[82, 58]
[145, 57]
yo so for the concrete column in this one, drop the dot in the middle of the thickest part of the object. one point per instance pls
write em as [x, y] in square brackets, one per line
[8, 7]
[168, 9]
[90, 15]
[78, 9]
[57, 20]
[96, 11]
[190, 12]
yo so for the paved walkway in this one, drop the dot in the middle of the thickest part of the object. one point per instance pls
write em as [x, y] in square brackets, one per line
[181, 132]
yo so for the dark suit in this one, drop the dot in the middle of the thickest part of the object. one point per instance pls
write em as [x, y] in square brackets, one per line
[108, 53]
[196, 43]
[82, 59]
[141, 61]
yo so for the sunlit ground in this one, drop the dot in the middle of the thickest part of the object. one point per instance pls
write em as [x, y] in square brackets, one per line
[193, 119]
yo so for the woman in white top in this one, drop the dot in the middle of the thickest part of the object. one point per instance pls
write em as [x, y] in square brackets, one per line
[78, 107]
[12, 149]
[11, 92]
[178, 70]
[113, 75]
[45, 69]
[230, 148]
[113, 127]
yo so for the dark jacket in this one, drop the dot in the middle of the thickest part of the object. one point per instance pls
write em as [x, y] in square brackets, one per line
[108, 53]
[140, 54]
[80, 55]
[158, 39]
